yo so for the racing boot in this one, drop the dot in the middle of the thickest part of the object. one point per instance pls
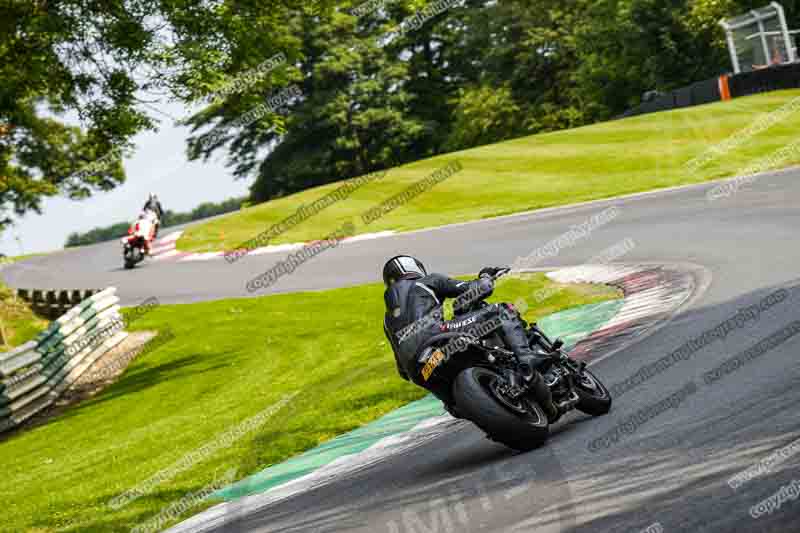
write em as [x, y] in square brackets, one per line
[531, 364]
[517, 341]
[541, 392]
[543, 396]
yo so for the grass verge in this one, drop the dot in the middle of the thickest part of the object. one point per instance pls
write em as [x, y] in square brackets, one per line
[18, 323]
[228, 361]
[589, 163]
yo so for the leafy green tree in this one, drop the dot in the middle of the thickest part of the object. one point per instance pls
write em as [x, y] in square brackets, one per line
[627, 47]
[483, 115]
[68, 58]
[350, 119]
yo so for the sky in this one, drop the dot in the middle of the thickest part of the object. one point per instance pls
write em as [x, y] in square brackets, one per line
[158, 165]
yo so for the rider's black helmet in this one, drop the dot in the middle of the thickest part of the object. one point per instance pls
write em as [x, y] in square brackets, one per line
[402, 266]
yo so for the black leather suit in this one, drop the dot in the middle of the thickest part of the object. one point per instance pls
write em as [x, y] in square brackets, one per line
[414, 314]
[155, 206]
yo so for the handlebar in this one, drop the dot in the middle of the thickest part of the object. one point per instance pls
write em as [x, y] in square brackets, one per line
[475, 303]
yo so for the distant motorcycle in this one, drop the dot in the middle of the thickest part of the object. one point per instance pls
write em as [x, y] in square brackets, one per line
[484, 383]
[140, 236]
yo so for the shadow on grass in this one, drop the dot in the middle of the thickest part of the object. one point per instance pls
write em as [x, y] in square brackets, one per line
[101, 519]
[141, 379]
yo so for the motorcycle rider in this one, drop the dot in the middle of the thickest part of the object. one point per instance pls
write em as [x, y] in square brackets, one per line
[149, 218]
[414, 314]
[152, 204]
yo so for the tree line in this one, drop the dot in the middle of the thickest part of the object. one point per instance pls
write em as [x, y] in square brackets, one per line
[170, 218]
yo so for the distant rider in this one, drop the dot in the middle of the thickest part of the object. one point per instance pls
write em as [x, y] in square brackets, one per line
[413, 296]
[152, 204]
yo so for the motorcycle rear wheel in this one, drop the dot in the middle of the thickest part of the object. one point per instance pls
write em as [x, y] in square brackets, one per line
[522, 426]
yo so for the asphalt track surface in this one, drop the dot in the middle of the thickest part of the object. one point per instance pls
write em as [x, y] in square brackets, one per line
[672, 470]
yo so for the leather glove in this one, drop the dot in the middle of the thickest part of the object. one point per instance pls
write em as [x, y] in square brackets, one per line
[489, 271]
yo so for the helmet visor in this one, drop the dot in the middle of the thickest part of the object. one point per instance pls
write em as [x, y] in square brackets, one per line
[410, 265]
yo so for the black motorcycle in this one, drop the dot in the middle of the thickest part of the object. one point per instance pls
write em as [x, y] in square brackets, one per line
[480, 380]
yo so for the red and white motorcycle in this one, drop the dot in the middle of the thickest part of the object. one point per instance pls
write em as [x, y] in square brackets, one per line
[140, 237]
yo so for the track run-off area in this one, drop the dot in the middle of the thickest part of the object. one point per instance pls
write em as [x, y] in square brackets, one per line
[641, 467]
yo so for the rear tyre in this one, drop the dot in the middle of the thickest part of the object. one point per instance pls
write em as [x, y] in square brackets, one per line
[519, 424]
[594, 398]
[129, 264]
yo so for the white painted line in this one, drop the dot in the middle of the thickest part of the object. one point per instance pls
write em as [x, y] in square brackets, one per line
[275, 248]
[168, 245]
[562, 209]
[172, 237]
[166, 255]
[155, 250]
[369, 236]
[201, 256]
[622, 318]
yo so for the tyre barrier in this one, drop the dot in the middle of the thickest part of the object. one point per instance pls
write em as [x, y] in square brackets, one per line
[35, 374]
[50, 303]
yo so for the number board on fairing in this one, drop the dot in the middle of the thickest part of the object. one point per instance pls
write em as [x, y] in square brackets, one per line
[434, 361]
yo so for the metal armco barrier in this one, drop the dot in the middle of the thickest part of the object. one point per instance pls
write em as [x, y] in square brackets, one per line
[775, 78]
[35, 374]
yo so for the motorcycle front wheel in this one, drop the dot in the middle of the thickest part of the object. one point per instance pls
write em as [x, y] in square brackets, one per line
[131, 257]
[594, 398]
[520, 424]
